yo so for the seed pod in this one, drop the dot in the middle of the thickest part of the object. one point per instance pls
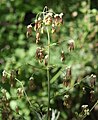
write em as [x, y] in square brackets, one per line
[71, 45]
[62, 56]
[29, 30]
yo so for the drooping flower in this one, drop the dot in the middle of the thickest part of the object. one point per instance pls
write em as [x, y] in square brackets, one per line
[29, 30]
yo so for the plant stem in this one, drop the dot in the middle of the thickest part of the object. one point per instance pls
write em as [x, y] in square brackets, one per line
[48, 74]
[22, 88]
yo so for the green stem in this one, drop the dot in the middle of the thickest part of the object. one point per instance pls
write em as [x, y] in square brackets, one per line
[48, 74]
[22, 88]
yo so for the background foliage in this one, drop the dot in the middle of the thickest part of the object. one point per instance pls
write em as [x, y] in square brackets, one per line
[18, 53]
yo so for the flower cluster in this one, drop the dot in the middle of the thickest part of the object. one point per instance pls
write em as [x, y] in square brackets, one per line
[45, 19]
[40, 54]
[67, 101]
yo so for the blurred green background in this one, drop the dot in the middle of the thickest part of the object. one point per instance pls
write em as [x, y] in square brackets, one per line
[17, 52]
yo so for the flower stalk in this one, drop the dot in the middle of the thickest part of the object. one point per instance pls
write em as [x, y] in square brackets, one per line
[48, 74]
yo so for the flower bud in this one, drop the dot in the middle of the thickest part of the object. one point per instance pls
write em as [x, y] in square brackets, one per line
[31, 84]
[71, 45]
[58, 19]
[62, 56]
[61, 19]
[92, 95]
[12, 78]
[53, 28]
[4, 76]
[37, 37]
[66, 82]
[68, 73]
[60, 15]
[83, 90]
[92, 80]
[46, 60]
[29, 30]
[20, 92]
[38, 24]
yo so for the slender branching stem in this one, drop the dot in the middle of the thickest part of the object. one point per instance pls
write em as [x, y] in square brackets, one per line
[22, 88]
[48, 74]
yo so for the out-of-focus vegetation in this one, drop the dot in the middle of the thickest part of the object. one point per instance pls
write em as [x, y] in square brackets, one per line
[17, 55]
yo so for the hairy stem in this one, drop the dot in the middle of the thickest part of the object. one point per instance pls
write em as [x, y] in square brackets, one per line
[48, 74]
